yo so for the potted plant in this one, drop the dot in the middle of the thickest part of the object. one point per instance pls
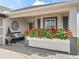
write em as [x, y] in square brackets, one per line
[8, 36]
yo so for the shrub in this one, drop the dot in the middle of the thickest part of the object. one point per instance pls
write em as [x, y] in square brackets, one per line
[36, 33]
[62, 34]
[26, 31]
[8, 32]
[30, 33]
[41, 33]
[69, 34]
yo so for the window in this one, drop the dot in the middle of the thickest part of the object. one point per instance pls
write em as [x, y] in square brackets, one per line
[65, 22]
[30, 26]
[50, 23]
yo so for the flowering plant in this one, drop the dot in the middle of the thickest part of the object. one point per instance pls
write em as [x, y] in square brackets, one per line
[26, 31]
[49, 33]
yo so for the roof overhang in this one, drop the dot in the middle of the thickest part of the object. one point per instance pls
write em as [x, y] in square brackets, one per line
[44, 10]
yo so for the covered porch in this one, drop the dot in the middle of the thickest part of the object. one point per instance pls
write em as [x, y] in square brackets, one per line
[57, 20]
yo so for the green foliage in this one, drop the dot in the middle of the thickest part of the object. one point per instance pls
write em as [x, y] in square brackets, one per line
[36, 34]
[31, 33]
[48, 33]
[41, 33]
[61, 34]
[8, 32]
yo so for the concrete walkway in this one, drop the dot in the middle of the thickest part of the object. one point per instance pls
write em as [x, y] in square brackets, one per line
[7, 54]
[36, 53]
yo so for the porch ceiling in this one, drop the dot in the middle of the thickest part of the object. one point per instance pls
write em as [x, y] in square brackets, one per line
[41, 15]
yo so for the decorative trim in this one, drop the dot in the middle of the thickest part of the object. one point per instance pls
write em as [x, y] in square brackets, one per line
[14, 25]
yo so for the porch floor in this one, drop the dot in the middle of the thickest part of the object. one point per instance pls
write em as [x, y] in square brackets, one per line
[36, 53]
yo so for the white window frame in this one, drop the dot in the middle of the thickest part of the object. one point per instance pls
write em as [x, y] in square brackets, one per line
[51, 21]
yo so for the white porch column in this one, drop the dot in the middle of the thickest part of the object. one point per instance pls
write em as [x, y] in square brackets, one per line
[73, 21]
[59, 21]
[35, 22]
[41, 21]
[4, 30]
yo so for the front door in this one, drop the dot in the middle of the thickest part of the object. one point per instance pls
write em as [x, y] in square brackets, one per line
[30, 25]
[65, 22]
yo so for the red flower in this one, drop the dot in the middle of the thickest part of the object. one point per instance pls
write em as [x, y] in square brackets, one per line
[47, 29]
[42, 31]
[35, 29]
[69, 33]
[53, 30]
[26, 30]
[68, 30]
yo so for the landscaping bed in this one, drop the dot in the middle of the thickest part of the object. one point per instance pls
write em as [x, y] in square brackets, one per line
[53, 39]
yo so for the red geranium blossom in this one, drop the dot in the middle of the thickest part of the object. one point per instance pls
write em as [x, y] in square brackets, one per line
[26, 30]
[68, 30]
[47, 29]
[69, 33]
[41, 31]
[53, 30]
[35, 29]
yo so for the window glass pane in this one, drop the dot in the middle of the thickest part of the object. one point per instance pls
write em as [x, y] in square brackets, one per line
[50, 23]
[53, 24]
[47, 24]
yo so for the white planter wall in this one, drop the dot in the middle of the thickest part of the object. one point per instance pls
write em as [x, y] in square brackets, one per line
[52, 44]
